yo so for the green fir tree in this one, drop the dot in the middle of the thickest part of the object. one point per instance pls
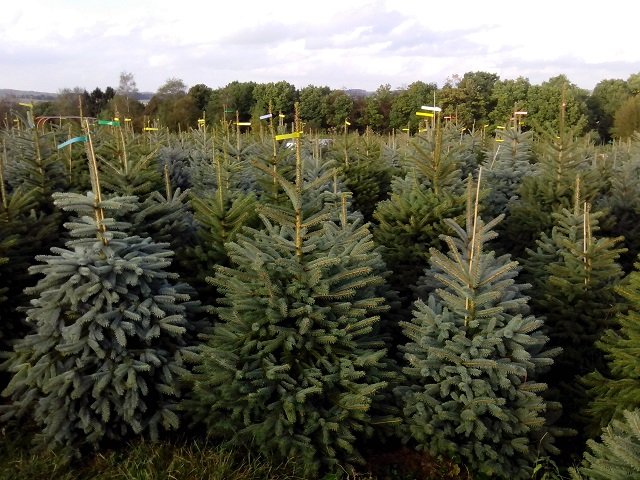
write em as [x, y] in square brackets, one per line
[560, 160]
[219, 215]
[617, 455]
[574, 272]
[104, 360]
[127, 167]
[412, 219]
[296, 367]
[367, 175]
[30, 172]
[505, 167]
[617, 387]
[473, 360]
[622, 203]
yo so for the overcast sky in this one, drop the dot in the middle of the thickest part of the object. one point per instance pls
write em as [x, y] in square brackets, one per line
[55, 44]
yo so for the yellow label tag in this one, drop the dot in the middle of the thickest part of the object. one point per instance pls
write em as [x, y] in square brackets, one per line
[288, 135]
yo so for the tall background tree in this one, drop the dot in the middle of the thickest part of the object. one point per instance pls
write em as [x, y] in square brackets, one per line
[407, 102]
[281, 96]
[543, 101]
[508, 95]
[201, 95]
[603, 103]
[339, 108]
[314, 107]
[377, 109]
[233, 97]
[172, 106]
[469, 98]
[626, 122]
[126, 94]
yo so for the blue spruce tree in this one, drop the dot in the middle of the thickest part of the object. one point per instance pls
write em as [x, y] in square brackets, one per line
[473, 357]
[104, 358]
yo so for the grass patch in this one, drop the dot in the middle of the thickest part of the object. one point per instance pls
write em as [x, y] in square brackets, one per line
[140, 460]
[178, 459]
[191, 458]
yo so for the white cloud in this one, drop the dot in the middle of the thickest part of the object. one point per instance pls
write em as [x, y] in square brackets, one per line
[357, 43]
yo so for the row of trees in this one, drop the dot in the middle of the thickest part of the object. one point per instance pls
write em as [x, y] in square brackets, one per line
[337, 295]
[475, 100]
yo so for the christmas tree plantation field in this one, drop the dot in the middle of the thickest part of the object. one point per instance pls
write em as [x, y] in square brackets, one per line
[444, 305]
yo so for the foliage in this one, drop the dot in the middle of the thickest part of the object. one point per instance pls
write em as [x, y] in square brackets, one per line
[617, 455]
[339, 108]
[508, 96]
[201, 94]
[507, 163]
[366, 174]
[280, 96]
[110, 328]
[407, 102]
[127, 167]
[469, 98]
[617, 388]
[378, 107]
[603, 103]
[127, 85]
[574, 273]
[626, 121]
[473, 360]
[295, 365]
[620, 200]
[235, 97]
[562, 173]
[412, 219]
[546, 100]
[314, 106]
[219, 216]
[30, 172]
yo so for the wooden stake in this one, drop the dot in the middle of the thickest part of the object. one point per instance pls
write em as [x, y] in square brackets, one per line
[475, 218]
[95, 187]
[3, 160]
[167, 183]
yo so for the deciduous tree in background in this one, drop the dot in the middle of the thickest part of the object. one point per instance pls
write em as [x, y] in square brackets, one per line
[603, 103]
[627, 119]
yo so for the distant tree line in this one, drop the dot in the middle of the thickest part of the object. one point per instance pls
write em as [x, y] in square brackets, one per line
[475, 100]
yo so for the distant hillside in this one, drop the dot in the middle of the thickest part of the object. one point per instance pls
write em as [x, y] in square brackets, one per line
[25, 95]
[28, 95]
[357, 92]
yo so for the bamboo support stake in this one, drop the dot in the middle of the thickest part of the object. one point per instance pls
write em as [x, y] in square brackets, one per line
[167, 183]
[343, 213]
[238, 134]
[95, 186]
[69, 155]
[298, 239]
[3, 161]
[274, 161]
[346, 153]
[473, 252]
[495, 157]
[220, 183]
